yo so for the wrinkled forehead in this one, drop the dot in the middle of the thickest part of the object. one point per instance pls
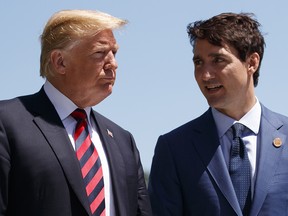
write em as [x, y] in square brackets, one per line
[103, 39]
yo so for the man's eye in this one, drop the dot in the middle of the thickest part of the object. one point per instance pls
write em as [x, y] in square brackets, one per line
[99, 54]
[218, 60]
[197, 62]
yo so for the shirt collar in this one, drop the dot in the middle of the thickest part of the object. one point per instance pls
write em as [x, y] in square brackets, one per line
[251, 120]
[63, 105]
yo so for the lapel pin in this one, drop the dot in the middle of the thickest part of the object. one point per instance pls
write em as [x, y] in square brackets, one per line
[109, 133]
[277, 142]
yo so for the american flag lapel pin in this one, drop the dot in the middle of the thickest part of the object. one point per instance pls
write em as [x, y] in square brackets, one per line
[109, 133]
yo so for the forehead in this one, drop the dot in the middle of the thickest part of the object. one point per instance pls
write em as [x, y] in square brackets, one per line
[203, 47]
[103, 39]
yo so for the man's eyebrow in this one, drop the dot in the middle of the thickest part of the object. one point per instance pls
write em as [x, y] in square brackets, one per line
[210, 55]
[104, 44]
[216, 55]
[213, 55]
[196, 57]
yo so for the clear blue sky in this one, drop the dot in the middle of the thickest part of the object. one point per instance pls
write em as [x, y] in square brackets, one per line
[155, 89]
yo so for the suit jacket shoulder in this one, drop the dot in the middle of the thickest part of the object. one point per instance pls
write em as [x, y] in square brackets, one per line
[202, 124]
[35, 148]
[130, 193]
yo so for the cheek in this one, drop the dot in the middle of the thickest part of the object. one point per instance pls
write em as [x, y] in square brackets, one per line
[97, 68]
[92, 71]
[197, 75]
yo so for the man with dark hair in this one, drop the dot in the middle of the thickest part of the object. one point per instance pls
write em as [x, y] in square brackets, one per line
[233, 159]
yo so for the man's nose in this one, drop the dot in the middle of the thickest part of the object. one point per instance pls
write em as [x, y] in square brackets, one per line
[111, 62]
[207, 73]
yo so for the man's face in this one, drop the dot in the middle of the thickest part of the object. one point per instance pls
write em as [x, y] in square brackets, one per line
[90, 69]
[225, 81]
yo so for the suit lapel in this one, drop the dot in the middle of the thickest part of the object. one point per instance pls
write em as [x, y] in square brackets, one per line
[116, 164]
[53, 130]
[219, 172]
[211, 153]
[267, 157]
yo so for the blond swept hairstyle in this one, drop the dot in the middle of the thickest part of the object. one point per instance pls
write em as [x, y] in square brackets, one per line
[66, 27]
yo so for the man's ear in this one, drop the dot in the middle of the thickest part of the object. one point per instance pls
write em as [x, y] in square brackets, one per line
[57, 61]
[253, 62]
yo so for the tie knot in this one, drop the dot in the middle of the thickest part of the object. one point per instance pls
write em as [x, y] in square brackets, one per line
[237, 128]
[79, 114]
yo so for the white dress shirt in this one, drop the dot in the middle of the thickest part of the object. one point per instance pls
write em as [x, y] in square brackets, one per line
[252, 122]
[64, 107]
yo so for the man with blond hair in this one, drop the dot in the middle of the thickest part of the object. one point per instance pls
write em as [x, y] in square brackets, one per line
[57, 155]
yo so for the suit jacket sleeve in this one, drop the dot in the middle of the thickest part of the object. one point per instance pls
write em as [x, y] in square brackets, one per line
[4, 170]
[165, 193]
[144, 207]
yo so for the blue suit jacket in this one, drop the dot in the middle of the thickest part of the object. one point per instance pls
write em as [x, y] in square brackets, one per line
[39, 171]
[190, 177]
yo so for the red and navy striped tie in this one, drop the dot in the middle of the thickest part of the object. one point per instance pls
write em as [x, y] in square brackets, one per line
[90, 164]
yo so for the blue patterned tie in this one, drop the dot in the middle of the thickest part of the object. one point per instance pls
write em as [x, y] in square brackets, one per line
[239, 169]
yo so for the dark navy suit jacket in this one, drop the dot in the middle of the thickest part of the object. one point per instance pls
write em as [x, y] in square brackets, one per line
[190, 177]
[40, 174]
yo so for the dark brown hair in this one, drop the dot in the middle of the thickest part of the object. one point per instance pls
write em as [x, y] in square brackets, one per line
[238, 30]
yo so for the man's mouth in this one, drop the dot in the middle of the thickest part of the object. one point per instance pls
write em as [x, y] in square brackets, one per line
[213, 87]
